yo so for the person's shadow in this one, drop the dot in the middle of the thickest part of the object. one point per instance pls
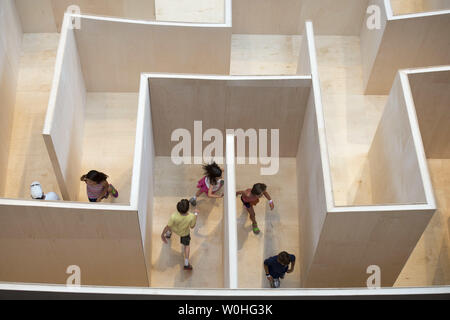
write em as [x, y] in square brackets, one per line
[242, 230]
[205, 207]
[168, 257]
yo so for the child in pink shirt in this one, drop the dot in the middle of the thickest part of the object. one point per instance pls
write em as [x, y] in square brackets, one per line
[210, 184]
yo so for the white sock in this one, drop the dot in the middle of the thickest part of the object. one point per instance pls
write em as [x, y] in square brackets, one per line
[194, 197]
[186, 262]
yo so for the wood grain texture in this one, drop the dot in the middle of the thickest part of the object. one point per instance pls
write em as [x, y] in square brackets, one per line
[199, 11]
[28, 156]
[173, 183]
[37, 16]
[39, 244]
[232, 104]
[429, 263]
[131, 9]
[400, 7]
[431, 94]
[44, 16]
[394, 167]
[113, 54]
[365, 238]
[311, 192]
[351, 118]
[288, 17]
[371, 40]
[108, 141]
[264, 54]
[64, 129]
[10, 50]
[408, 43]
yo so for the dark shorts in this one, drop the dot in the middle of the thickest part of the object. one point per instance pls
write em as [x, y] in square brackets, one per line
[186, 241]
[95, 200]
[246, 204]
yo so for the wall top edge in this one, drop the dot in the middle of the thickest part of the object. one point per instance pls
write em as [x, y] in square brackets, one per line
[426, 70]
[65, 205]
[149, 22]
[419, 15]
[222, 77]
[423, 208]
[225, 292]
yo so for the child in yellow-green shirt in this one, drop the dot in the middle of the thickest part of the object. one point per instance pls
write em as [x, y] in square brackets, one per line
[181, 223]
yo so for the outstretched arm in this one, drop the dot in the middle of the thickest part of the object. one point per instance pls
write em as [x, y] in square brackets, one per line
[163, 234]
[212, 195]
[105, 191]
[267, 195]
[268, 276]
[292, 267]
[194, 222]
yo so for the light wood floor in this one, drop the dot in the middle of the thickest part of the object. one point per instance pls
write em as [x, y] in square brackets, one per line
[407, 6]
[264, 54]
[351, 118]
[198, 11]
[351, 121]
[173, 183]
[28, 157]
[280, 228]
[109, 140]
[429, 264]
[400, 7]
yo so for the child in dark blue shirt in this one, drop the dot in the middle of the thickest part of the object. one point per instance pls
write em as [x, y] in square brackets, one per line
[276, 267]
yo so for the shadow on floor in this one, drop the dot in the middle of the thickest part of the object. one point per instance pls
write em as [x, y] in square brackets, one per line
[243, 231]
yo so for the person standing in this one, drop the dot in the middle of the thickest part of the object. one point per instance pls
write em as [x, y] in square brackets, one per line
[250, 198]
[276, 267]
[181, 223]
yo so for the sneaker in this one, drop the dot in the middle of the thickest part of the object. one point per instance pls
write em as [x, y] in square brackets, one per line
[193, 202]
[256, 229]
[188, 267]
[115, 193]
[276, 283]
[168, 234]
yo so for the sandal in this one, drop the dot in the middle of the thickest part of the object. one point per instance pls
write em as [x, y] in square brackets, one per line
[114, 192]
[256, 229]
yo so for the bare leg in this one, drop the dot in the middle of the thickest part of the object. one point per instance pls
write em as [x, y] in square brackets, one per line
[187, 252]
[193, 200]
[252, 215]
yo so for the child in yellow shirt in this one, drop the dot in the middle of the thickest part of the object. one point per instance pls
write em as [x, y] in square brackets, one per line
[180, 223]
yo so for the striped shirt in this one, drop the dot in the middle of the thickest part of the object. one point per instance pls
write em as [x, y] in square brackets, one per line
[95, 191]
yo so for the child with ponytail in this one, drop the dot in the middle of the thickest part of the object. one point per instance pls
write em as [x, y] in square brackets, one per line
[210, 184]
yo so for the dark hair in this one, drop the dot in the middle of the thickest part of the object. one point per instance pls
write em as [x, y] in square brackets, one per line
[213, 172]
[95, 176]
[259, 189]
[284, 258]
[183, 206]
